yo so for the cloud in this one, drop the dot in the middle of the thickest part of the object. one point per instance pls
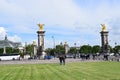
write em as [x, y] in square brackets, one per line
[14, 38]
[63, 12]
[69, 20]
[10, 8]
[48, 12]
[2, 32]
[114, 31]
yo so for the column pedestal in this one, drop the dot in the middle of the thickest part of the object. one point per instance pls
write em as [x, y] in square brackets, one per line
[104, 42]
[41, 52]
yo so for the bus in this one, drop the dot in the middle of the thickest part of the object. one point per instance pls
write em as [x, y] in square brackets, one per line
[9, 57]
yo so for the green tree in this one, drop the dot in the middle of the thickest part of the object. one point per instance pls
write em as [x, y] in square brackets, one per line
[116, 49]
[72, 50]
[21, 54]
[9, 50]
[1, 50]
[96, 49]
[60, 49]
[110, 49]
[85, 49]
[15, 50]
[52, 52]
[48, 50]
[29, 49]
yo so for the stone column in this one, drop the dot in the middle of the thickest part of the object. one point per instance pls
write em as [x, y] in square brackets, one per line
[66, 47]
[104, 39]
[34, 48]
[4, 50]
[41, 35]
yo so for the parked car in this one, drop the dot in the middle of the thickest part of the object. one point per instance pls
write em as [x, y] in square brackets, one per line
[48, 57]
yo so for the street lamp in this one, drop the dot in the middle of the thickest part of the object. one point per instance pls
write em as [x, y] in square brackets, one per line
[53, 44]
[53, 41]
[75, 50]
[115, 47]
[115, 43]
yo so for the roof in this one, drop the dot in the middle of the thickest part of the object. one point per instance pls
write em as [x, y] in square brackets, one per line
[7, 43]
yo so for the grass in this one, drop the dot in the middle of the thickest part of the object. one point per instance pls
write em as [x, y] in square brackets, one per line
[70, 71]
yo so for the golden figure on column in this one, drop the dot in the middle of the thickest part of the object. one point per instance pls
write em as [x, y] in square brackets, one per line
[103, 27]
[40, 26]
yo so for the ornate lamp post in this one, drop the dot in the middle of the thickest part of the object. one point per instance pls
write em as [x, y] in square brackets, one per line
[53, 42]
[54, 46]
[75, 50]
[115, 47]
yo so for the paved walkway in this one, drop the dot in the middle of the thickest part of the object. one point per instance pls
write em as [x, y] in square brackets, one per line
[45, 61]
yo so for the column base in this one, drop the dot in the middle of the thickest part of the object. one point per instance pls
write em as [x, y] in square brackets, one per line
[43, 55]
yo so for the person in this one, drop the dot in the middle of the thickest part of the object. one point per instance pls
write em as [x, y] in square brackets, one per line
[62, 58]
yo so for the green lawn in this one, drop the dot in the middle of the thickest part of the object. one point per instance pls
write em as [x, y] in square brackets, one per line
[70, 71]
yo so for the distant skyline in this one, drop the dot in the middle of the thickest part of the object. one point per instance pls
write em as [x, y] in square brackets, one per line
[71, 21]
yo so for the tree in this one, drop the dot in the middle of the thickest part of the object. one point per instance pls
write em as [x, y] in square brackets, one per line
[85, 49]
[15, 50]
[60, 49]
[50, 51]
[1, 50]
[72, 50]
[96, 49]
[116, 49]
[9, 50]
[110, 49]
[29, 49]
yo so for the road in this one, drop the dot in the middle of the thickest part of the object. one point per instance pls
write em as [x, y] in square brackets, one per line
[44, 61]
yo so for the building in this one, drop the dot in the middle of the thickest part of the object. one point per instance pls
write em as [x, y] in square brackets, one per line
[6, 43]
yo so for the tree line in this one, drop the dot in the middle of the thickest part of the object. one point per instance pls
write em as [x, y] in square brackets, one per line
[86, 49]
[9, 50]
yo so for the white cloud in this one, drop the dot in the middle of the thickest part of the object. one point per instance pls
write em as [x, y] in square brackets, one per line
[2, 32]
[72, 18]
[10, 8]
[63, 12]
[14, 38]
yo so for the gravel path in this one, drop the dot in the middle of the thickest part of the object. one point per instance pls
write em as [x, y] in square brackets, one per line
[44, 61]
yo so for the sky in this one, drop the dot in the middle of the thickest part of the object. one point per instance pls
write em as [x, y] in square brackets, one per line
[71, 21]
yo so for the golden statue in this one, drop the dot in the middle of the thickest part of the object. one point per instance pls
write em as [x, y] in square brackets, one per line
[103, 27]
[34, 42]
[40, 26]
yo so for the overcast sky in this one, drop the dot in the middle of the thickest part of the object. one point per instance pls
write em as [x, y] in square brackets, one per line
[71, 21]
